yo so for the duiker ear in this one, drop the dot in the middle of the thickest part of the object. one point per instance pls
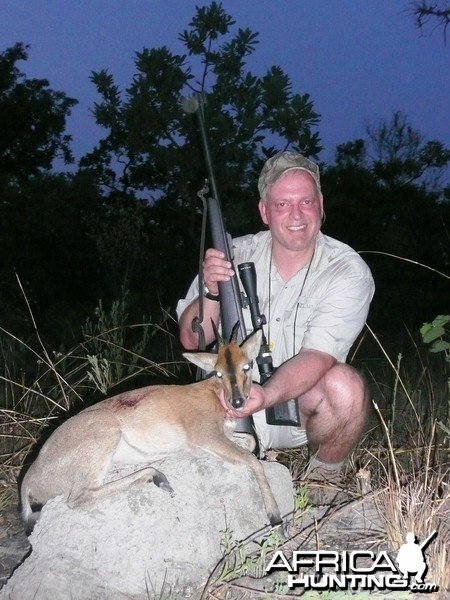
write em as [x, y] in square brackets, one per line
[204, 360]
[252, 344]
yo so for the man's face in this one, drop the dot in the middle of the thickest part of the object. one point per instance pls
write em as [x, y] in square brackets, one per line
[293, 211]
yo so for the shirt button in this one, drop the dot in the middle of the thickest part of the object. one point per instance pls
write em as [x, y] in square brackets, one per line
[277, 319]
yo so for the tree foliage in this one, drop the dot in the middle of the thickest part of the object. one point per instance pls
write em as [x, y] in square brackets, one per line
[43, 234]
[152, 150]
[32, 121]
[152, 145]
[384, 197]
[399, 154]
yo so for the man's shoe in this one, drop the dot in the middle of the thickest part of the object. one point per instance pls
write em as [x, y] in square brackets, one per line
[323, 483]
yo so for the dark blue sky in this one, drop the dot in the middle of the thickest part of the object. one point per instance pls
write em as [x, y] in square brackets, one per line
[360, 60]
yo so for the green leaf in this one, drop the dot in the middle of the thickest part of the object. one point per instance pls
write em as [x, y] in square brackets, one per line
[435, 329]
[426, 327]
[432, 334]
[440, 346]
[441, 320]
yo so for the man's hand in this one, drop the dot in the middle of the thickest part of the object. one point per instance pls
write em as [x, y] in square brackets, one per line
[215, 269]
[256, 402]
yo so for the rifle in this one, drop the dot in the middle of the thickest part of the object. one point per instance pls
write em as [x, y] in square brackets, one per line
[230, 297]
[428, 540]
[285, 413]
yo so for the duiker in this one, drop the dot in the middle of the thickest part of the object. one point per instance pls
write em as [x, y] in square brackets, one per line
[141, 426]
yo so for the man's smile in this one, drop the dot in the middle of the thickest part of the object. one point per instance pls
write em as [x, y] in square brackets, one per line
[296, 227]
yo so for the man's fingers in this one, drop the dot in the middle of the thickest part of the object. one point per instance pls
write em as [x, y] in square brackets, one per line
[215, 269]
[212, 252]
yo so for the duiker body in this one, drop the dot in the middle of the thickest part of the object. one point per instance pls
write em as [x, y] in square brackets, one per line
[141, 426]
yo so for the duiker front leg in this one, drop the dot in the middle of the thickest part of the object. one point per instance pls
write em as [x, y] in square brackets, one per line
[225, 449]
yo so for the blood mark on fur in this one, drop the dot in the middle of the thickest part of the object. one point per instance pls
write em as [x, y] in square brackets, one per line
[128, 401]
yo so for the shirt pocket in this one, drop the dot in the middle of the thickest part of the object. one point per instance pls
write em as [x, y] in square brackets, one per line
[295, 324]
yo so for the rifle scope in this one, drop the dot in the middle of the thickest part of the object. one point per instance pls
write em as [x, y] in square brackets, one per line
[285, 413]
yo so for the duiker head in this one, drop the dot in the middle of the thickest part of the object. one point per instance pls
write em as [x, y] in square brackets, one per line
[232, 366]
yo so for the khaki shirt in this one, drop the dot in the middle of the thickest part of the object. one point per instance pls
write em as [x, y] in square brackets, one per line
[326, 311]
[323, 307]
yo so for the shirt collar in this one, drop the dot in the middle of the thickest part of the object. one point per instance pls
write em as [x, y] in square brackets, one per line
[319, 261]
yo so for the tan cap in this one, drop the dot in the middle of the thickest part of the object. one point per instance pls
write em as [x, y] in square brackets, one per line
[280, 163]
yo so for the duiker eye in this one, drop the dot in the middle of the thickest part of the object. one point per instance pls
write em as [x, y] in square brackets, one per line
[246, 368]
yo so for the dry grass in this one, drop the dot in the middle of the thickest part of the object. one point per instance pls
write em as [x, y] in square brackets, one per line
[410, 466]
[421, 505]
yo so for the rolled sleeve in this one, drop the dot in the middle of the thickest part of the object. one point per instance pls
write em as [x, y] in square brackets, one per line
[192, 294]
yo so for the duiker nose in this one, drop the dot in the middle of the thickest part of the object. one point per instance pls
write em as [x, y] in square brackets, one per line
[237, 402]
[237, 399]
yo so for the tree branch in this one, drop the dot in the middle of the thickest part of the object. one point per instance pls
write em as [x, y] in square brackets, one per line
[425, 11]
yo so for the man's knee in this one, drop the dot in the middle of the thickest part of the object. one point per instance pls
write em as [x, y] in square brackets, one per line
[341, 416]
[343, 381]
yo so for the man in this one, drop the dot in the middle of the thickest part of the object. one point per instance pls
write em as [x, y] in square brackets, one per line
[315, 293]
